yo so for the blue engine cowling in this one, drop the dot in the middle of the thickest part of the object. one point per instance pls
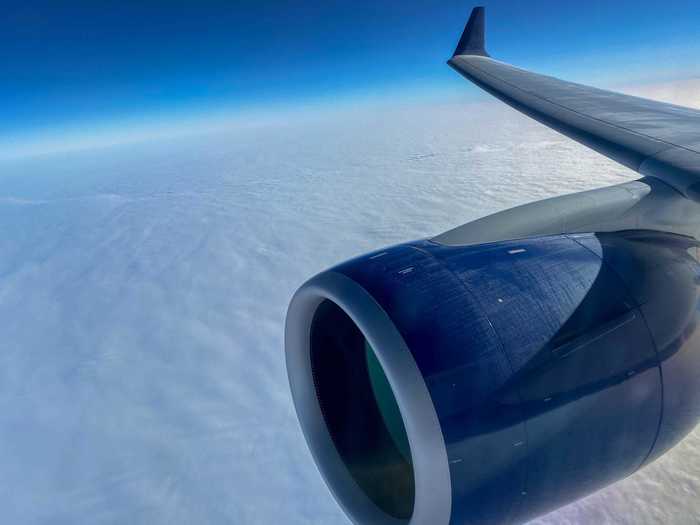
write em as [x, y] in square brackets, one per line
[527, 373]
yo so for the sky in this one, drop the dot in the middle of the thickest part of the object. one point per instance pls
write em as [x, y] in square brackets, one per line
[83, 70]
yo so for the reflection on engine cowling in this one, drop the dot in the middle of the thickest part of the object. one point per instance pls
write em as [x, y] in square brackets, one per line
[556, 365]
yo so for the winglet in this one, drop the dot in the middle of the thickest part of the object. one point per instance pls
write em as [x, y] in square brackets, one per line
[473, 41]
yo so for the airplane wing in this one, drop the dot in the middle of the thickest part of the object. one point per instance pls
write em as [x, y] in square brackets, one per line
[652, 138]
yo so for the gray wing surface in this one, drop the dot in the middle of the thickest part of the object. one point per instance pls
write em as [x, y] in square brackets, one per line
[652, 138]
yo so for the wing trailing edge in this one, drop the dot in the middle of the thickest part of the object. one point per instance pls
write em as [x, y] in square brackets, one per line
[650, 137]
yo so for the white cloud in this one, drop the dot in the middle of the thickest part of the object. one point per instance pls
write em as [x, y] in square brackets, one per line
[143, 291]
[684, 93]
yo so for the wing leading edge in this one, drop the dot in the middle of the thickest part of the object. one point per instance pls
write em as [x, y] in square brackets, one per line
[652, 138]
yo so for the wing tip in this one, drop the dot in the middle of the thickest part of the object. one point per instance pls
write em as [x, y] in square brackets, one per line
[473, 41]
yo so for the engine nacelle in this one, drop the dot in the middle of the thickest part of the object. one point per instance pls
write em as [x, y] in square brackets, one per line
[496, 382]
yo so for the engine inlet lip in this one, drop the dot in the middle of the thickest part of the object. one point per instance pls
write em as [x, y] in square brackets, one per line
[433, 488]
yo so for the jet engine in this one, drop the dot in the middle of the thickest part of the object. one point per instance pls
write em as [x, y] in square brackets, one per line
[491, 383]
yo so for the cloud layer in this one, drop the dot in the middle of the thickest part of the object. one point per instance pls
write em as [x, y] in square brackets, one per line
[143, 291]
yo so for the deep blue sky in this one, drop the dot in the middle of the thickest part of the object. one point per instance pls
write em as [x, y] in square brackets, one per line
[73, 65]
